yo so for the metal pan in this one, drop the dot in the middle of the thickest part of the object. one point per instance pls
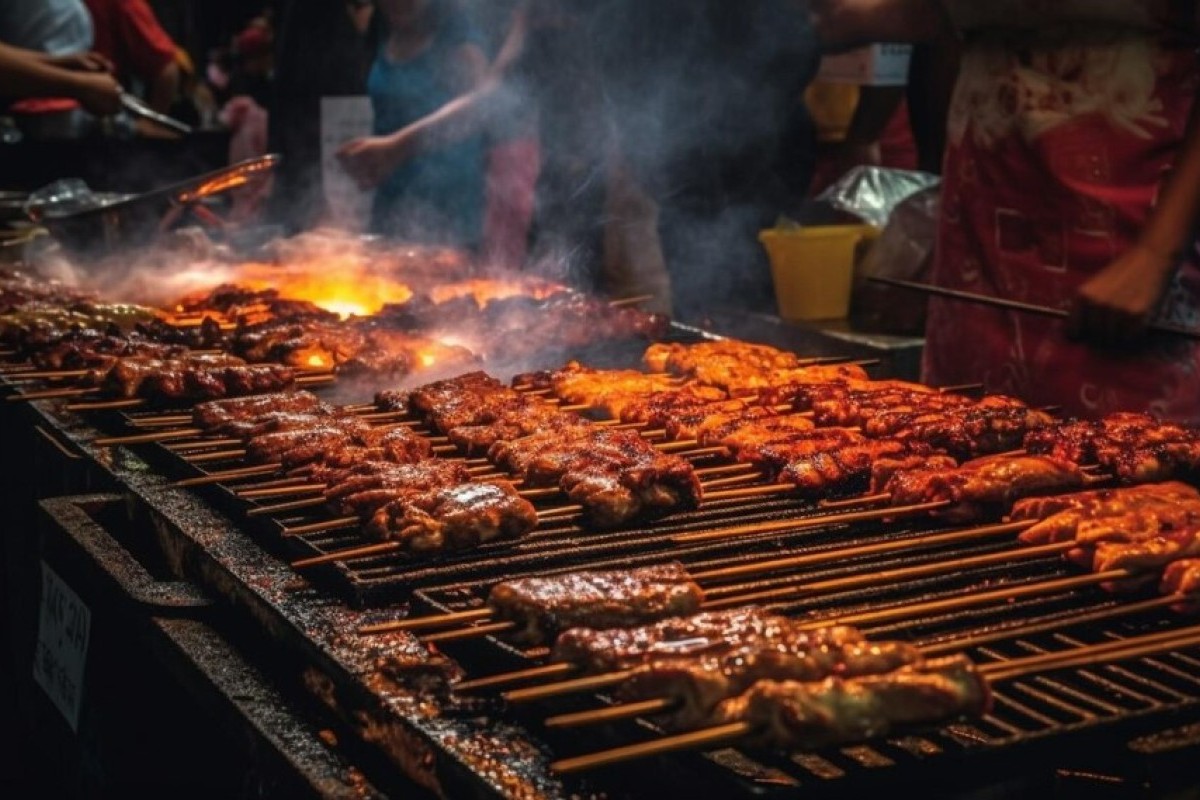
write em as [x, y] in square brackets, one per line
[138, 220]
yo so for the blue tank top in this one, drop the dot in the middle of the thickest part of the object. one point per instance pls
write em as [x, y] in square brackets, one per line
[438, 196]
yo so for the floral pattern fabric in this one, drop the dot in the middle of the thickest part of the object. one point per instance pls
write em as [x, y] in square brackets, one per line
[1066, 117]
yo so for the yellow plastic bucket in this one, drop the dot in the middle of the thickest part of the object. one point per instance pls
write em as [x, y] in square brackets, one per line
[813, 268]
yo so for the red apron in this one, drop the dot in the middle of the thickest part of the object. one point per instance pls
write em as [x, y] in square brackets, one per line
[1057, 142]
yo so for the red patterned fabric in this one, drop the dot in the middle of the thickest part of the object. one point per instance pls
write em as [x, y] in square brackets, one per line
[1058, 140]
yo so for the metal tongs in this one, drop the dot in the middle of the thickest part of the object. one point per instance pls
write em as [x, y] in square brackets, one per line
[136, 107]
[1014, 305]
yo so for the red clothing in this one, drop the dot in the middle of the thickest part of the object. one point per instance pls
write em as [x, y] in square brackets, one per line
[1058, 138]
[128, 34]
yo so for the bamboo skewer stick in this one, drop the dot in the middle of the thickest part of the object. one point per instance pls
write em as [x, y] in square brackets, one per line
[473, 615]
[1118, 650]
[552, 670]
[107, 405]
[52, 394]
[226, 475]
[51, 374]
[729, 469]
[321, 527]
[220, 455]
[716, 598]
[876, 548]
[804, 523]
[963, 602]
[731, 481]
[383, 548]
[161, 421]
[995, 671]
[720, 734]
[631, 301]
[183, 447]
[280, 508]
[1109, 652]
[468, 633]
[144, 438]
[759, 567]
[281, 491]
[1034, 628]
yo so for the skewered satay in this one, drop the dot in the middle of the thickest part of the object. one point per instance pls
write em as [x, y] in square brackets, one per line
[1136, 448]
[974, 485]
[454, 518]
[543, 607]
[792, 715]
[210, 416]
[695, 687]
[338, 439]
[1182, 577]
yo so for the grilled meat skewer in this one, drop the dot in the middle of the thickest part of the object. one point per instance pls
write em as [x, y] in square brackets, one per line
[543, 607]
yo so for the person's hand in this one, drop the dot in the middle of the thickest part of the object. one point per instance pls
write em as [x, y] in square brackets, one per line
[99, 93]
[371, 159]
[1113, 307]
[82, 62]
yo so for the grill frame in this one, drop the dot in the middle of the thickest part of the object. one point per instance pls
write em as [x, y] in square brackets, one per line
[211, 542]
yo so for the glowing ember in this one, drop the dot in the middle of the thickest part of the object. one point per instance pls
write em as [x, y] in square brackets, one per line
[347, 287]
[484, 290]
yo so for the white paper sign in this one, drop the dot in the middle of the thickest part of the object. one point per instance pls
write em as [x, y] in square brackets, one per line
[343, 119]
[64, 626]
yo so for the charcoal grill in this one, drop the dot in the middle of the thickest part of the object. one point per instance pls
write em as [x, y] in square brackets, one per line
[469, 746]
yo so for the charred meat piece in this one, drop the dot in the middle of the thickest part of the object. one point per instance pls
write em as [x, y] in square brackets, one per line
[543, 607]
[684, 359]
[698, 685]
[273, 422]
[364, 488]
[597, 650]
[840, 469]
[93, 350]
[964, 433]
[454, 518]
[658, 408]
[514, 423]
[737, 378]
[795, 715]
[577, 384]
[214, 414]
[1182, 577]
[723, 420]
[768, 445]
[1102, 502]
[884, 469]
[649, 483]
[394, 443]
[335, 430]
[991, 481]
[1136, 448]
[431, 396]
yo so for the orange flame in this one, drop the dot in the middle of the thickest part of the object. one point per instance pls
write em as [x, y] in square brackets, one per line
[347, 287]
[484, 290]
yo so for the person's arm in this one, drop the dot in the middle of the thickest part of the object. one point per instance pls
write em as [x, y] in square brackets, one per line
[1113, 307]
[24, 76]
[371, 159]
[164, 87]
[846, 24]
[151, 53]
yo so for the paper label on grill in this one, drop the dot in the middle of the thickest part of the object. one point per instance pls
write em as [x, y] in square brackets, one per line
[64, 627]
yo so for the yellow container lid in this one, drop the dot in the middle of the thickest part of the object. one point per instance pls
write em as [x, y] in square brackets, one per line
[813, 268]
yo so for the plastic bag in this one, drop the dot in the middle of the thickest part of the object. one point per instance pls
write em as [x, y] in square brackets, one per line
[872, 193]
[67, 196]
[904, 250]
